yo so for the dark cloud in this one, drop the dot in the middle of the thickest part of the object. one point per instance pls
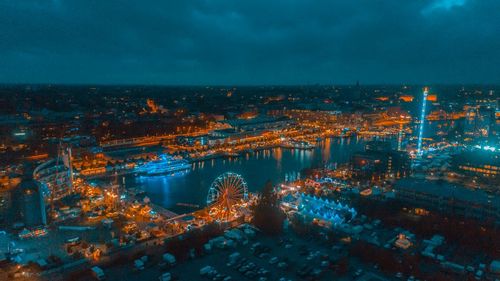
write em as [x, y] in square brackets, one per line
[250, 42]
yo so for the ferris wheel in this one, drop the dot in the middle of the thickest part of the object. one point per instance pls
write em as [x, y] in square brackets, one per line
[227, 190]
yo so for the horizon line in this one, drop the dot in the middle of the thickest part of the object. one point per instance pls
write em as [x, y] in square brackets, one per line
[2, 84]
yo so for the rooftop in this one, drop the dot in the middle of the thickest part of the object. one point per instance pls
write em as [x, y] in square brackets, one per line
[479, 157]
[253, 121]
[448, 190]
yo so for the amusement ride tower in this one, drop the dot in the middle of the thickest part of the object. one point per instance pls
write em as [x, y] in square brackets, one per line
[422, 122]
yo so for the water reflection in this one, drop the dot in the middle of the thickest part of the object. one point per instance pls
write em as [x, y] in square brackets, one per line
[255, 167]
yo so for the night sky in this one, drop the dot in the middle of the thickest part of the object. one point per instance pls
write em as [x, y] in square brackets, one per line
[250, 42]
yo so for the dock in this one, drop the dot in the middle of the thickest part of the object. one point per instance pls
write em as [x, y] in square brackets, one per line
[162, 211]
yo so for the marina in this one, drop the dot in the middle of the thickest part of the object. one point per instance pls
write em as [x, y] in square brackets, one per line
[274, 164]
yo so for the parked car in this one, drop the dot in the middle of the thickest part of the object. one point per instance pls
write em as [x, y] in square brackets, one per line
[282, 265]
[138, 264]
[98, 273]
[206, 270]
[165, 277]
[273, 260]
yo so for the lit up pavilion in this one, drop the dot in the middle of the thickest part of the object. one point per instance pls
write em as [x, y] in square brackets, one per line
[322, 210]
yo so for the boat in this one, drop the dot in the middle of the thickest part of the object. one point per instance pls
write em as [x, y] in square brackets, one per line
[164, 165]
[231, 154]
[188, 205]
[297, 144]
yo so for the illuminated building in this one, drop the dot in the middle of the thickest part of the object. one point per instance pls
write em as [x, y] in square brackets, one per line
[406, 98]
[56, 176]
[192, 140]
[432, 98]
[379, 161]
[382, 98]
[246, 130]
[260, 123]
[403, 242]
[422, 122]
[478, 121]
[152, 105]
[478, 163]
[320, 210]
[449, 199]
[248, 115]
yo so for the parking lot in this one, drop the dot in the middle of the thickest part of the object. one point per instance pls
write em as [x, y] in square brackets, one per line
[287, 257]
